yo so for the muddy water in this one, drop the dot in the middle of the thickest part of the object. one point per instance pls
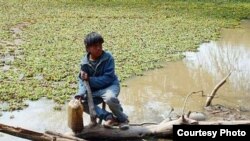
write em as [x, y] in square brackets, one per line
[151, 97]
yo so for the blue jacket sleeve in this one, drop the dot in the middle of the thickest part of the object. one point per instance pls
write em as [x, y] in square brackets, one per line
[107, 78]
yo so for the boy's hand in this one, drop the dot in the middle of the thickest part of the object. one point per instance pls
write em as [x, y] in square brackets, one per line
[84, 76]
[78, 97]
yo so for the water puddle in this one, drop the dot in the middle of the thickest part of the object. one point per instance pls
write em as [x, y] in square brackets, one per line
[39, 116]
[151, 97]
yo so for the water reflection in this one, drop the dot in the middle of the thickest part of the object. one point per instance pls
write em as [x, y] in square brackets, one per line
[230, 54]
[220, 58]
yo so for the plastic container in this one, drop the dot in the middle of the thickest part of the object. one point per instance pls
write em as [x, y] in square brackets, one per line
[75, 115]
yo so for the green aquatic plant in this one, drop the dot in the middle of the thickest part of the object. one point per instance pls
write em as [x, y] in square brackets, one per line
[57, 107]
[140, 34]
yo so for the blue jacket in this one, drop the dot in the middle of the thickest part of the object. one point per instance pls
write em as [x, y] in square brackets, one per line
[100, 77]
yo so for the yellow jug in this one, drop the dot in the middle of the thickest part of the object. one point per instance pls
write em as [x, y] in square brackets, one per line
[75, 115]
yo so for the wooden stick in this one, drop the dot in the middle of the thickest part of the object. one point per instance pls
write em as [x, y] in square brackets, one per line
[24, 133]
[35, 136]
[185, 102]
[90, 104]
[211, 96]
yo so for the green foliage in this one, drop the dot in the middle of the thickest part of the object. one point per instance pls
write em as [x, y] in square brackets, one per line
[140, 34]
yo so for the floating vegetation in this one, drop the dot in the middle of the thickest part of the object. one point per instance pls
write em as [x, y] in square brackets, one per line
[57, 107]
[41, 46]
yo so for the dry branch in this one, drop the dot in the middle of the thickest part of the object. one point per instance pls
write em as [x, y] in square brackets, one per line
[35, 136]
[216, 88]
[185, 102]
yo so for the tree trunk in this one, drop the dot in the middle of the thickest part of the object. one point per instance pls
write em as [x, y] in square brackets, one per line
[161, 130]
[136, 131]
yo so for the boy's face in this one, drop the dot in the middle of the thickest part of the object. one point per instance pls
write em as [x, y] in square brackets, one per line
[95, 50]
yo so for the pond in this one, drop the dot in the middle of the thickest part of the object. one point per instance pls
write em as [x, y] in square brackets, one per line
[151, 97]
[159, 90]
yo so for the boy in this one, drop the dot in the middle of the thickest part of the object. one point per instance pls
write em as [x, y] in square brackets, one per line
[98, 67]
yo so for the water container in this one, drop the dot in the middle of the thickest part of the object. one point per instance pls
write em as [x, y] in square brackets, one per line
[75, 115]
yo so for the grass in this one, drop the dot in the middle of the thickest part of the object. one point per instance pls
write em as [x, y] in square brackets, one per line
[140, 34]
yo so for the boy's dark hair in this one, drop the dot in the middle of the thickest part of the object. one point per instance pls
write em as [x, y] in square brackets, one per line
[93, 38]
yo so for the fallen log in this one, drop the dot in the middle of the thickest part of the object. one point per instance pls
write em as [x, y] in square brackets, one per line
[161, 130]
[136, 131]
[36, 136]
